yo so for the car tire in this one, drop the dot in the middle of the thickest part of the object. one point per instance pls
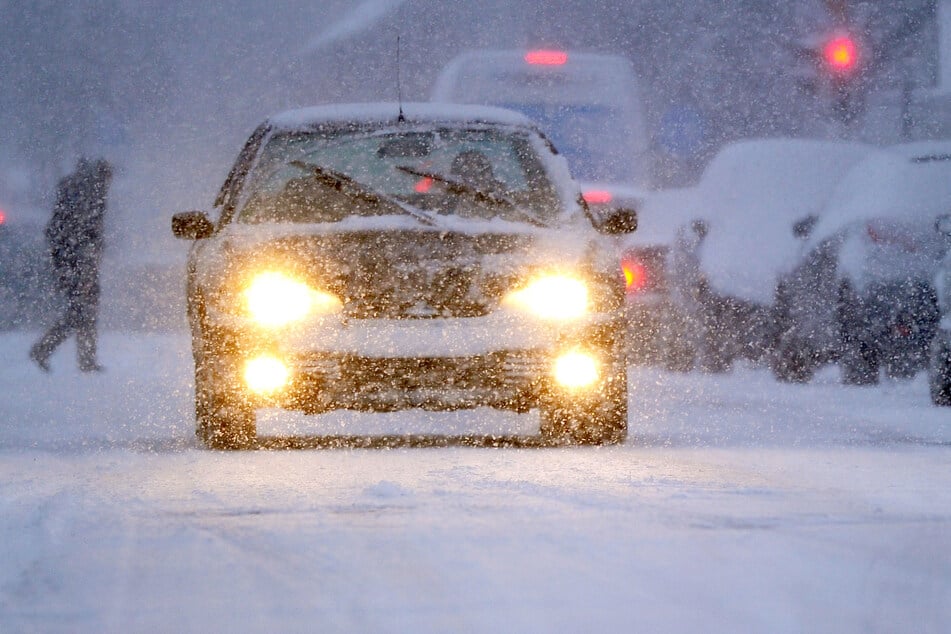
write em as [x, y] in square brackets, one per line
[222, 421]
[860, 358]
[600, 419]
[859, 364]
[679, 356]
[223, 418]
[792, 364]
[939, 373]
[902, 369]
[715, 359]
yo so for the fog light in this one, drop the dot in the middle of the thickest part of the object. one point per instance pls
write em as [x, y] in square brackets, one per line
[576, 369]
[266, 374]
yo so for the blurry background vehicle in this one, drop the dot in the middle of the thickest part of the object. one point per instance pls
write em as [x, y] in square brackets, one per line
[863, 294]
[939, 366]
[707, 300]
[589, 105]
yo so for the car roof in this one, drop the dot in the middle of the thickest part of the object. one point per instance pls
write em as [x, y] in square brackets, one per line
[388, 112]
[750, 195]
[909, 183]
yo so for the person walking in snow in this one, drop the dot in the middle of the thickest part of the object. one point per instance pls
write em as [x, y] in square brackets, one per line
[74, 235]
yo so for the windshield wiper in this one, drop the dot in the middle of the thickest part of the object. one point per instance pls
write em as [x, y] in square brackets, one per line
[460, 187]
[347, 186]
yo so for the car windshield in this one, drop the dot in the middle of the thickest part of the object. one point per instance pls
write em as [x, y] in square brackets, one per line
[326, 176]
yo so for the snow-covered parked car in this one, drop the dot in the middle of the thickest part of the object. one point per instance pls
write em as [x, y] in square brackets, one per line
[939, 363]
[863, 293]
[374, 257]
[726, 241]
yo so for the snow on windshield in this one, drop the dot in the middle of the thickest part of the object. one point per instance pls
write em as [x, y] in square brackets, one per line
[469, 172]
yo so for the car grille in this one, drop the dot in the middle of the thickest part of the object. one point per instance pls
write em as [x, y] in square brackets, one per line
[500, 379]
[494, 370]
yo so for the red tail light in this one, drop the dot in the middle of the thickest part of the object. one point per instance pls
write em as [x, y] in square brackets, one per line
[546, 58]
[635, 275]
[597, 197]
[3, 217]
[423, 185]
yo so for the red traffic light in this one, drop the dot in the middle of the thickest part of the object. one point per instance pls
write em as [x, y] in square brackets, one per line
[840, 54]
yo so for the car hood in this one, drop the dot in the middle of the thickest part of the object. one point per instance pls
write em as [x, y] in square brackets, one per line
[405, 270]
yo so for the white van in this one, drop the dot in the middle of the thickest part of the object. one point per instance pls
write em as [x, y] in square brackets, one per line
[589, 105]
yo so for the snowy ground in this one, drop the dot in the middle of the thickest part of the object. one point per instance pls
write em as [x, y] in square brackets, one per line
[738, 505]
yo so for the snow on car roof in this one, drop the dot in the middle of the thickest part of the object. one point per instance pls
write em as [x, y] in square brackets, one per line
[910, 182]
[384, 112]
[750, 195]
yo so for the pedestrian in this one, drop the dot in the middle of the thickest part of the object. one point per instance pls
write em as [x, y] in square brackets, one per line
[74, 235]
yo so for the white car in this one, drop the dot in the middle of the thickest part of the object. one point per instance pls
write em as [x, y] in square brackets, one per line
[380, 257]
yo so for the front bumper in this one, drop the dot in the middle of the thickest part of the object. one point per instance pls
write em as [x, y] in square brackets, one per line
[320, 381]
[382, 365]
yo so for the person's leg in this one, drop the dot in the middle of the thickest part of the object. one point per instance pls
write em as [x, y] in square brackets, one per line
[86, 331]
[54, 336]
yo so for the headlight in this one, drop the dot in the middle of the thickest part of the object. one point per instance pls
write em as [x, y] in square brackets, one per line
[266, 374]
[552, 297]
[274, 299]
[576, 369]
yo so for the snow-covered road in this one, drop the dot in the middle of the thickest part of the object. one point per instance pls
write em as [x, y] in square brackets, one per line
[737, 505]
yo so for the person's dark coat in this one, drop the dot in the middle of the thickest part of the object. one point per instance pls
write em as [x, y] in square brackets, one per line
[75, 230]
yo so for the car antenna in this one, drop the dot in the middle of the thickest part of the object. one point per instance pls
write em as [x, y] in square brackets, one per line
[399, 87]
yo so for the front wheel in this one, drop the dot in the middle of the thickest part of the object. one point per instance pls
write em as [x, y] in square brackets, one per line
[223, 417]
[793, 363]
[859, 363]
[860, 358]
[224, 422]
[599, 418]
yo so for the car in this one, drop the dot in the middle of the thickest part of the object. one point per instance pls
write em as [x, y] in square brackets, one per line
[27, 287]
[381, 257]
[704, 300]
[939, 361]
[588, 104]
[863, 295]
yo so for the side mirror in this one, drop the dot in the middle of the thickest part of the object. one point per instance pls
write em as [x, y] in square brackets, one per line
[803, 227]
[616, 221]
[192, 225]
[943, 224]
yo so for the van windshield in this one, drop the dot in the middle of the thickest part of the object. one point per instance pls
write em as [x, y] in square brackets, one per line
[589, 136]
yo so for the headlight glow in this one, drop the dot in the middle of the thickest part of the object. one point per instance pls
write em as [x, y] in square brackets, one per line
[265, 374]
[556, 297]
[275, 299]
[576, 369]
